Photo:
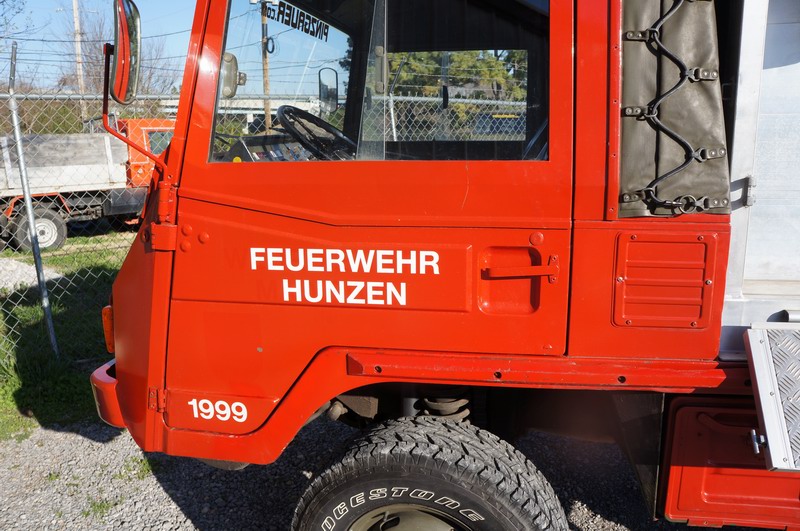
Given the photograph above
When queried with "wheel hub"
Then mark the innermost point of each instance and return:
(47, 232)
(404, 517)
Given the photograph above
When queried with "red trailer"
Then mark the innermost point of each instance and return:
(384, 258)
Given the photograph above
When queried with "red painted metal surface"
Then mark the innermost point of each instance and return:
(499, 232)
(337, 370)
(598, 322)
(142, 287)
(715, 479)
(591, 109)
(538, 372)
(56, 198)
(614, 100)
(489, 273)
(104, 387)
(664, 280)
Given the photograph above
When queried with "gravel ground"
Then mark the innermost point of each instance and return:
(92, 476)
(15, 275)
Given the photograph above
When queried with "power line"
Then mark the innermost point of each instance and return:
(72, 41)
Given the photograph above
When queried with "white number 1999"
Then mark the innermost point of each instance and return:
(205, 409)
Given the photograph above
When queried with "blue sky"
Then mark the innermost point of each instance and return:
(44, 48)
(295, 59)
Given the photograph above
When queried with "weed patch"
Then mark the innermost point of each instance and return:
(12, 424)
(98, 508)
(137, 468)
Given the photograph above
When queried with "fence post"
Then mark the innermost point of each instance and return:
(392, 117)
(26, 192)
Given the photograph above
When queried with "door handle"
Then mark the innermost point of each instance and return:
(550, 271)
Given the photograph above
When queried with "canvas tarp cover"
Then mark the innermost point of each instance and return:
(693, 112)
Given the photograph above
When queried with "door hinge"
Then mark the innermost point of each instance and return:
(163, 236)
(162, 232)
(157, 399)
(165, 211)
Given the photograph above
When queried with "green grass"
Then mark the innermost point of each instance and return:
(137, 468)
(81, 252)
(12, 424)
(99, 507)
(34, 386)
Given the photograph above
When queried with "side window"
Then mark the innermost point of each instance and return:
(458, 79)
(283, 83)
(158, 140)
(384, 80)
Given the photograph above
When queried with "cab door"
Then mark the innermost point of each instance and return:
(439, 223)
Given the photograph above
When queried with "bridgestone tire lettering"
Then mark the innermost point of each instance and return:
(456, 471)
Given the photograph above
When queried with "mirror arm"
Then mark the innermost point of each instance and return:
(108, 51)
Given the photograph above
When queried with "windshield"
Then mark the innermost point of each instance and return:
(384, 79)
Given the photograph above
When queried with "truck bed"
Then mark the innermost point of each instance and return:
(64, 163)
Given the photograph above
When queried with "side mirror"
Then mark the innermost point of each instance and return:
(231, 77)
(328, 90)
(127, 44)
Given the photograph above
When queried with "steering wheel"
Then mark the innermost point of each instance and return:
(322, 139)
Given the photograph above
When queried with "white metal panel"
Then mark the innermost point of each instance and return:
(773, 237)
(783, 11)
(764, 265)
(748, 87)
(66, 163)
(774, 355)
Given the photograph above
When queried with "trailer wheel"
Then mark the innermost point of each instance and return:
(433, 474)
(50, 226)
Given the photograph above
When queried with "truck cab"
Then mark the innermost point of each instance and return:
(457, 220)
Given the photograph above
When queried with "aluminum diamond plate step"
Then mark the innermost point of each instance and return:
(774, 354)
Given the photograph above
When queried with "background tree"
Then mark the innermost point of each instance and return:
(476, 74)
(10, 23)
(159, 74)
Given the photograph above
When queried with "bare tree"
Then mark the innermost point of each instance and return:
(158, 73)
(9, 13)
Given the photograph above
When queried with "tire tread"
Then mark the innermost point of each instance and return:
(466, 453)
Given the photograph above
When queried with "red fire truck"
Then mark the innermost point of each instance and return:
(598, 270)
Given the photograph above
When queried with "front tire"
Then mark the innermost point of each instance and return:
(50, 227)
(429, 473)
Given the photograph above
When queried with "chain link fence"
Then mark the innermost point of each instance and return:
(425, 119)
(88, 190)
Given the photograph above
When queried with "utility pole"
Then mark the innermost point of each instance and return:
(76, 19)
(264, 66)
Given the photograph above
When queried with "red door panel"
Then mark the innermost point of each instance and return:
(459, 256)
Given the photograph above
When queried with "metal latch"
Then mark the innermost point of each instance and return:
(636, 112)
(758, 442)
(704, 154)
(632, 197)
(638, 35)
(749, 190)
(550, 271)
(702, 74)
